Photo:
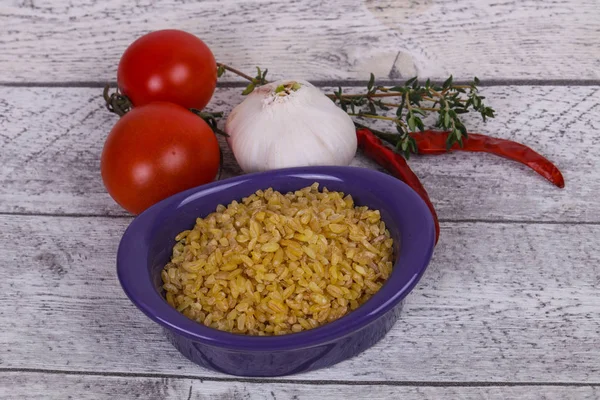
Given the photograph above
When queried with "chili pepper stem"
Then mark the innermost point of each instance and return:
(396, 165)
(391, 138)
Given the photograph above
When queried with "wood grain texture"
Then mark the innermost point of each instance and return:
(62, 41)
(51, 140)
(499, 303)
(509, 305)
(40, 386)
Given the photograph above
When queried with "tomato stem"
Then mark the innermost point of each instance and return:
(116, 102)
(211, 119)
(120, 104)
(235, 71)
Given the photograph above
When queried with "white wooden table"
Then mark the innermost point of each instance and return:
(510, 305)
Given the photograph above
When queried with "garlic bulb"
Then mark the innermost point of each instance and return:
(289, 124)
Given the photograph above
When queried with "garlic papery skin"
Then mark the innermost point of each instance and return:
(289, 123)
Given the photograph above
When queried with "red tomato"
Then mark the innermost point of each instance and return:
(155, 151)
(168, 65)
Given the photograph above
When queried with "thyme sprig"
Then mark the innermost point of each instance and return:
(415, 100)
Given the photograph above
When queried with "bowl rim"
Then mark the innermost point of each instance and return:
(132, 260)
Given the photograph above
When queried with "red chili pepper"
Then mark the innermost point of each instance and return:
(432, 142)
(396, 165)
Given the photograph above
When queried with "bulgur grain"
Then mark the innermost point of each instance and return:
(278, 263)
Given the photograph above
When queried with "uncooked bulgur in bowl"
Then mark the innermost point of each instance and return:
(274, 263)
(279, 272)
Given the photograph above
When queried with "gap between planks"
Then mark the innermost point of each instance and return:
(322, 83)
(306, 382)
(442, 220)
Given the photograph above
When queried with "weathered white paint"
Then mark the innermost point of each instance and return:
(499, 303)
(502, 302)
(41, 386)
(52, 139)
(62, 40)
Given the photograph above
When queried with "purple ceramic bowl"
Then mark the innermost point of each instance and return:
(147, 244)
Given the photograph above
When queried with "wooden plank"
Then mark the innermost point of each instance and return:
(41, 386)
(499, 303)
(344, 39)
(52, 139)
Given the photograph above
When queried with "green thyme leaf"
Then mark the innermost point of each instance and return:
(372, 109)
(410, 81)
(411, 123)
(447, 83)
(249, 89)
(419, 124)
